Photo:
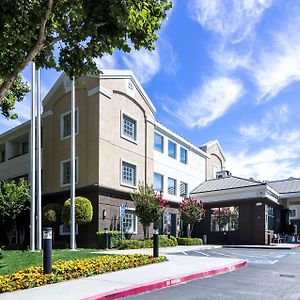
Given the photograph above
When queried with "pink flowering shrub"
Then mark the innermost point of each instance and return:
(192, 211)
(149, 206)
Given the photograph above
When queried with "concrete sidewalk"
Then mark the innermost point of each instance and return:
(176, 270)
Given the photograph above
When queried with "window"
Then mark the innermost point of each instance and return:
(271, 218)
(2, 156)
(128, 127)
(183, 189)
(128, 174)
(224, 218)
(64, 229)
(183, 155)
(172, 149)
(130, 222)
(65, 178)
(25, 147)
(158, 182)
(293, 213)
(171, 186)
(158, 142)
(66, 124)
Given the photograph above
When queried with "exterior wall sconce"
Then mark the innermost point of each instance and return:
(103, 214)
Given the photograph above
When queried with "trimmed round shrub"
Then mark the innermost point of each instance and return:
(52, 214)
(83, 211)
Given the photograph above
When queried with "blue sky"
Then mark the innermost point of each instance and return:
(226, 70)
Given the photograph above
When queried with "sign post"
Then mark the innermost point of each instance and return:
(122, 216)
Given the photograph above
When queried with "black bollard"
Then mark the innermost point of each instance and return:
(47, 247)
(155, 243)
(106, 239)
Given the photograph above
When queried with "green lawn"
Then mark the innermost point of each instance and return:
(12, 261)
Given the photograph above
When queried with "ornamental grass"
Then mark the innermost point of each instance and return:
(65, 270)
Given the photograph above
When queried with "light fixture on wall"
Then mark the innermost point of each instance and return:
(104, 214)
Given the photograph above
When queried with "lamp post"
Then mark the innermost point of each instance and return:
(155, 240)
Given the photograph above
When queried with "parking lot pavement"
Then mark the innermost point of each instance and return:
(252, 256)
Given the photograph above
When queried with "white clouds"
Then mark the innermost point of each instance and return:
(234, 19)
(106, 62)
(143, 63)
(278, 65)
(209, 102)
(276, 152)
(270, 126)
(273, 162)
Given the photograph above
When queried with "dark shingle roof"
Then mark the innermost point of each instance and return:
(291, 185)
(224, 184)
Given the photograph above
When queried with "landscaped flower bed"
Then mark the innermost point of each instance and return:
(65, 270)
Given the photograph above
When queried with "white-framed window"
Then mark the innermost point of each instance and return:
(183, 155)
(65, 172)
(64, 229)
(172, 149)
(129, 128)
(158, 142)
(293, 213)
(183, 189)
(130, 221)
(65, 124)
(158, 182)
(128, 174)
(171, 186)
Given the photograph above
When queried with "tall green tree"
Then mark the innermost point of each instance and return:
(14, 200)
(149, 206)
(68, 35)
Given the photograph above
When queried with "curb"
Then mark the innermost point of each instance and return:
(170, 281)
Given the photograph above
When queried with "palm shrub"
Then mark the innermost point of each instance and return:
(149, 206)
(191, 211)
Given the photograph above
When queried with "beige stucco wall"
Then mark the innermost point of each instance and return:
(113, 147)
(99, 144)
(215, 160)
(57, 150)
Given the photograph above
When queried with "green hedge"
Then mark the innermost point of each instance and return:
(189, 241)
(164, 241)
(115, 238)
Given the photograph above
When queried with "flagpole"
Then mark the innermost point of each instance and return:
(73, 166)
(39, 164)
(32, 160)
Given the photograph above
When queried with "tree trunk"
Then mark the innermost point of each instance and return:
(146, 231)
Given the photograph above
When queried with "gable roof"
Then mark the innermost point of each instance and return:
(211, 144)
(290, 185)
(123, 74)
(231, 182)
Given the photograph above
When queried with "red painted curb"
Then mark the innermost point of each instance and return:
(297, 246)
(150, 286)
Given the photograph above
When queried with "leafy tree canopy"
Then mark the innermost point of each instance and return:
(68, 35)
(149, 206)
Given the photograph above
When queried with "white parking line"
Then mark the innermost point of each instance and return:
(222, 254)
(255, 256)
(202, 253)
